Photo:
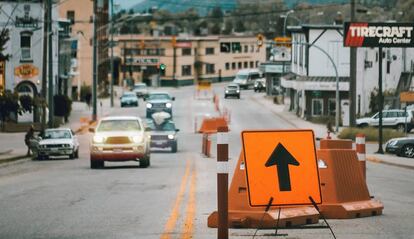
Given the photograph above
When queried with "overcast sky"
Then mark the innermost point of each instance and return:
(125, 4)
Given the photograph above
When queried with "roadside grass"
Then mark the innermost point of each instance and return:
(371, 134)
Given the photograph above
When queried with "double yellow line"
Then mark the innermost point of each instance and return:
(188, 227)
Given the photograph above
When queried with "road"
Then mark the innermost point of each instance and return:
(173, 197)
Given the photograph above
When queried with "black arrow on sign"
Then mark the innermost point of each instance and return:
(282, 158)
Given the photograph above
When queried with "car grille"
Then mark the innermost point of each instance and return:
(158, 105)
(118, 140)
(54, 145)
(159, 137)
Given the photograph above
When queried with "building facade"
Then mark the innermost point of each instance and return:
(81, 17)
(311, 84)
(187, 60)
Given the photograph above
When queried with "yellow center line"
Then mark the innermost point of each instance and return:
(188, 229)
(170, 225)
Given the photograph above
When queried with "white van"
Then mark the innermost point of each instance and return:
(246, 78)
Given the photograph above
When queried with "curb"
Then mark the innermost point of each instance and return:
(4, 162)
(6, 152)
(374, 159)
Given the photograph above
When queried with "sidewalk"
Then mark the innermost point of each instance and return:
(320, 130)
(12, 145)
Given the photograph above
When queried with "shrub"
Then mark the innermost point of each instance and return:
(371, 134)
(9, 104)
(26, 102)
(85, 93)
(62, 106)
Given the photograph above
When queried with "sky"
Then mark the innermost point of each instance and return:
(125, 4)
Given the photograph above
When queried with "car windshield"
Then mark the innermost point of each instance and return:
(118, 125)
(168, 126)
(241, 76)
(232, 87)
(138, 87)
(129, 96)
(57, 134)
(159, 97)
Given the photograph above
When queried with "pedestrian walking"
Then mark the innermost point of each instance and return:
(29, 135)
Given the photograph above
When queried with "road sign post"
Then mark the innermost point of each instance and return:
(222, 182)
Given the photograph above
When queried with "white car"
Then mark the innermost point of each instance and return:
(246, 78)
(120, 138)
(394, 118)
(56, 142)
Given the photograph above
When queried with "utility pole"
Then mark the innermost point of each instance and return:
(352, 76)
(44, 67)
(50, 63)
(95, 65)
(112, 52)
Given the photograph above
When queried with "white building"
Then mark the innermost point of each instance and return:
(396, 67)
(312, 82)
(22, 72)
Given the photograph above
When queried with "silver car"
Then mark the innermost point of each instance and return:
(56, 142)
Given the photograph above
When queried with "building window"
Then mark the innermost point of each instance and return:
(227, 66)
(186, 70)
(246, 48)
(301, 55)
(25, 45)
(251, 64)
(233, 65)
(317, 107)
(186, 51)
(257, 64)
(236, 47)
(251, 48)
(209, 51)
(225, 47)
(331, 106)
(239, 65)
(70, 15)
(161, 52)
(210, 69)
(246, 64)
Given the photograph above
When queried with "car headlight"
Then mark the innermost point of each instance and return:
(98, 139)
(168, 105)
(392, 142)
(136, 139)
(237, 91)
(170, 136)
(227, 91)
(149, 105)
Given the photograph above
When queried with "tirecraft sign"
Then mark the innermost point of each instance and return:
(359, 34)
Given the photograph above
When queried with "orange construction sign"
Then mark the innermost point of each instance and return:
(281, 165)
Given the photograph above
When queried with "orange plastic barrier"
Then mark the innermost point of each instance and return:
(360, 149)
(335, 144)
(206, 145)
(210, 125)
(241, 215)
(344, 190)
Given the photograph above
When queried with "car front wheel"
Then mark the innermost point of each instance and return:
(400, 127)
(408, 151)
(144, 162)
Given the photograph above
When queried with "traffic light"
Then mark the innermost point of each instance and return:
(163, 66)
(259, 40)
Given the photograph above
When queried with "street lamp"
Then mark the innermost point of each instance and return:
(284, 23)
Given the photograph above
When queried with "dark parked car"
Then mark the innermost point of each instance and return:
(401, 147)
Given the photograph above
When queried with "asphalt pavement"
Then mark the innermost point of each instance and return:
(173, 198)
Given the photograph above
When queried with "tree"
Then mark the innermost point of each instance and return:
(9, 104)
(26, 103)
(62, 106)
(4, 38)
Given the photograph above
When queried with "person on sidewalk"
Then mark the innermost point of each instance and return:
(29, 135)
